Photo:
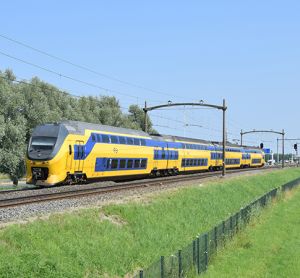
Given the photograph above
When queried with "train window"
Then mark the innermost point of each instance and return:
(93, 137)
(129, 163)
(129, 141)
(143, 141)
(163, 154)
(136, 141)
(105, 138)
(176, 155)
(98, 137)
(114, 139)
(108, 163)
(79, 152)
(114, 164)
(182, 162)
(122, 163)
(82, 151)
(144, 163)
(122, 140)
(199, 162)
(136, 163)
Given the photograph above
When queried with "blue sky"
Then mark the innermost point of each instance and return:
(247, 52)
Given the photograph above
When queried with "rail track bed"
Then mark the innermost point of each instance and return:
(8, 198)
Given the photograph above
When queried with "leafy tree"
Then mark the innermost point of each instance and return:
(26, 105)
(137, 115)
(13, 131)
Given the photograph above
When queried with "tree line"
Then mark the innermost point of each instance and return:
(24, 105)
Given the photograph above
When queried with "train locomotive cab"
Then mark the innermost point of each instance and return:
(42, 154)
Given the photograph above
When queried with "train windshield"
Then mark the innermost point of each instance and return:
(43, 143)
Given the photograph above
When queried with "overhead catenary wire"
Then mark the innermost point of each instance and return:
(65, 76)
(85, 68)
(42, 88)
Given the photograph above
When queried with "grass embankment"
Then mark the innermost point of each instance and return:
(269, 247)
(82, 244)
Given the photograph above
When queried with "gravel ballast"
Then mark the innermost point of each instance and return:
(25, 212)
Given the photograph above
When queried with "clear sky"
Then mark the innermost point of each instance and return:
(247, 52)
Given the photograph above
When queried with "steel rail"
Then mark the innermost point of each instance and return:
(30, 199)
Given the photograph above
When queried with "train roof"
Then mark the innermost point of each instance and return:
(75, 127)
(185, 139)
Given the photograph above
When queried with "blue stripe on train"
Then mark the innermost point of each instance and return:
(82, 151)
(104, 164)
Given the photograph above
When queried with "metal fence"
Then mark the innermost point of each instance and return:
(195, 257)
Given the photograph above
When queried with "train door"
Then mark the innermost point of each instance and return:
(69, 160)
(167, 153)
(183, 158)
(156, 158)
(79, 156)
(217, 156)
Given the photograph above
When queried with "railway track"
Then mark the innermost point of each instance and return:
(44, 197)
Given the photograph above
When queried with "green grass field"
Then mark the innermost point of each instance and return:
(270, 247)
(130, 236)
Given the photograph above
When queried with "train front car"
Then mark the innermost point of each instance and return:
(72, 152)
(45, 159)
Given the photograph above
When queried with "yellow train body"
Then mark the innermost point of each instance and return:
(71, 152)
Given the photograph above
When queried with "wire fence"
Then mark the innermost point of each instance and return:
(195, 257)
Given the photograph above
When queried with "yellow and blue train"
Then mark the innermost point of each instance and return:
(71, 152)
